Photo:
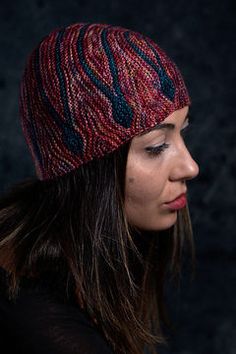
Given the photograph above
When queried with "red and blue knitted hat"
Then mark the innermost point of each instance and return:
(89, 88)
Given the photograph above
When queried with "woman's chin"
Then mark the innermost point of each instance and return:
(161, 223)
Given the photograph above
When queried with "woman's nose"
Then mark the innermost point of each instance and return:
(185, 167)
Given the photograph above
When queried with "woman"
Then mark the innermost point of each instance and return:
(86, 246)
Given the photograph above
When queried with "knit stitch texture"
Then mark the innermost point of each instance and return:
(89, 88)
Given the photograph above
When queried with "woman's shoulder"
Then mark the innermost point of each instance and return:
(37, 321)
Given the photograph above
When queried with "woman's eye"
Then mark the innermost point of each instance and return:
(156, 150)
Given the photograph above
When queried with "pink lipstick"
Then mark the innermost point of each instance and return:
(178, 203)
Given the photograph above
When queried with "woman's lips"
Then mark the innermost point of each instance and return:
(178, 203)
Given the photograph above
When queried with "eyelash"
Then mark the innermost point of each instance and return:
(157, 150)
(185, 130)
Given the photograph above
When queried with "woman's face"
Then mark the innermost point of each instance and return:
(158, 166)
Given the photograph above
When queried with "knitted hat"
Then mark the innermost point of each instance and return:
(89, 88)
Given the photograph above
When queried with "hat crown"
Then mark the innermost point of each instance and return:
(89, 88)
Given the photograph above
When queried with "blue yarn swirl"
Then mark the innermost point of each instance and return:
(122, 112)
(167, 86)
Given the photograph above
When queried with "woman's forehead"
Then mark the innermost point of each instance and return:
(176, 118)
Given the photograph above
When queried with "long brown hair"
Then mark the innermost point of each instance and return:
(76, 225)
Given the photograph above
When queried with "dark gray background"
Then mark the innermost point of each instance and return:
(200, 37)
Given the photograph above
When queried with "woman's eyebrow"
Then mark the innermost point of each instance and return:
(170, 126)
